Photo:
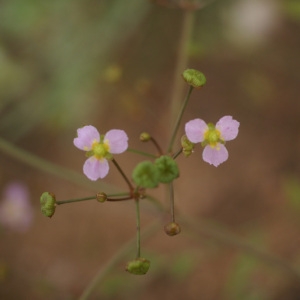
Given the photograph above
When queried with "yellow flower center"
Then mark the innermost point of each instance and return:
(100, 150)
(212, 136)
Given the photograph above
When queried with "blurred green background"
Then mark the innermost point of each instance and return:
(65, 64)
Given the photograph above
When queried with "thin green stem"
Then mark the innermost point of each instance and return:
(184, 104)
(118, 194)
(177, 153)
(141, 153)
(171, 191)
(123, 175)
(153, 140)
(181, 64)
(75, 200)
(119, 199)
(126, 197)
(138, 228)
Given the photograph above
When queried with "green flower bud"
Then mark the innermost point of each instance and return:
(48, 204)
(139, 266)
(187, 146)
(145, 137)
(194, 78)
(167, 169)
(101, 197)
(145, 175)
(172, 229)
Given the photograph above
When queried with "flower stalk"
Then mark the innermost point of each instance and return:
(177, 123)
(138, 228)
(131, 188)
(153, 140)
(172, 206)
(75, 200)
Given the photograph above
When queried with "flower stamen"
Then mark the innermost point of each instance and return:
(100, 150)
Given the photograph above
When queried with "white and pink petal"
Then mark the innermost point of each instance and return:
(94, 168)
(215, 156)
(117, 140)
(228, 127)
(87, 135)
(195, 130)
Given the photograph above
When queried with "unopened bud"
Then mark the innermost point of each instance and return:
(194, 78)
(187, 146)
(139, 266)
(48, 204)
(101, 197)
(145, 137)
(172, 229)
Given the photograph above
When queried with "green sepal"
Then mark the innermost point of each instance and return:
(204, 143)
(167, 169)
(146, 175)
(139, 266)
(48, 204)
(109, 156)
(211, 126)
(194, 78)
(89, 153)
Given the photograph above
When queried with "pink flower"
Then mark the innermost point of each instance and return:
(99, 149)
(213, 137)
(16, 212)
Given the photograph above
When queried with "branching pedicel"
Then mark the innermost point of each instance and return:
(100, 150)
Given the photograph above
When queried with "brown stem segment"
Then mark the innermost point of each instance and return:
(157, 146)
(123, 175)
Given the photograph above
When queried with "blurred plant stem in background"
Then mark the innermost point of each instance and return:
(221, 234)
(215, 231)
(51, 168)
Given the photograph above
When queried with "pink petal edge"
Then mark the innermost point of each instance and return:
(95, 169)
(87, 135)
(215, 156)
